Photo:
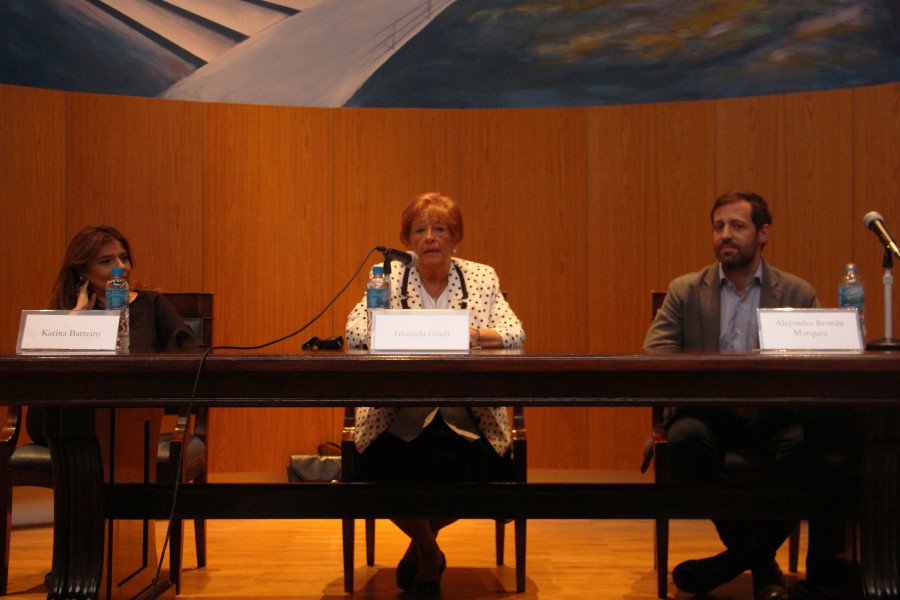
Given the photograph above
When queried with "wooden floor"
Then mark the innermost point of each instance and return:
(279, 559)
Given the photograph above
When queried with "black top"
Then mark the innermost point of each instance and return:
(156, 325)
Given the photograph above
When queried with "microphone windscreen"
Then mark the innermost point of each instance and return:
(413, 259)
(871, 217)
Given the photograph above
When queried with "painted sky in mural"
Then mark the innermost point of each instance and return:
(448, 53)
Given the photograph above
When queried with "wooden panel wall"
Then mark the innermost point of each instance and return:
(797, 151)
(32, 201)
(382, 159)
(524, 194)
(876, 186)
(650, 175)
(137, 164)
(268, 218)
(581, 211)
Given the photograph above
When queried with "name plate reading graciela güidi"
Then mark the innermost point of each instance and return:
(831, 330)
(420, 330)
(64, 331)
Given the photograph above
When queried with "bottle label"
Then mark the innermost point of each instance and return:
(378, 298)
(116, 299)
(852, 296)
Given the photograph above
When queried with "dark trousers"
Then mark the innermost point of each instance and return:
(713, 444)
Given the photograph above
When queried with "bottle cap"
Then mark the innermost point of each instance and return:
(378, 270)
(117, 271)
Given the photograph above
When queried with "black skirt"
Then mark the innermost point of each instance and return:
(438, 454)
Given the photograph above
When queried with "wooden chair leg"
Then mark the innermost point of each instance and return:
(5, 524)
(176, 550)
(500, 537)
(520, 532)
(662, 557)
(794, 549)
(200, 541)
(370, 542)
(348, 533)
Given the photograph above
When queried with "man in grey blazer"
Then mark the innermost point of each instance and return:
(715, 310)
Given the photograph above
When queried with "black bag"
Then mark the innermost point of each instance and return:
(324, 466)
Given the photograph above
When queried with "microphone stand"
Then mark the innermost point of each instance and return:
(888, 342)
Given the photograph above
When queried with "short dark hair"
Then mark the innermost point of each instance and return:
(759, 209)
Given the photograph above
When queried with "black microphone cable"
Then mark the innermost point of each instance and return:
(190, 407)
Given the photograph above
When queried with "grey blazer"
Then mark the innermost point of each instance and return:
(689, 316)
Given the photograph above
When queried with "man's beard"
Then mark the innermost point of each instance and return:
(738, 260)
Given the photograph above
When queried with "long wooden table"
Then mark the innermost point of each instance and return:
(79, 385)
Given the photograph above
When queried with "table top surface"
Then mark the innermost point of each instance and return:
(481, 377)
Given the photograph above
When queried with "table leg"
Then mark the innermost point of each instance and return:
(78, 505)
(879, 507)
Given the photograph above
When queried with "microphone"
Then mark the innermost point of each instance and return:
(407, 258)
(875, 222)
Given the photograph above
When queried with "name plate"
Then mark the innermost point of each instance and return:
(419, 330)
(809, 330)
(55, 331)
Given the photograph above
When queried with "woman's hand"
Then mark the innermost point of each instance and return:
(85, 302)
(484, 337)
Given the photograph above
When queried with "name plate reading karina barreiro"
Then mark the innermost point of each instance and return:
(831, 330)
(420, 330)
(56, 331)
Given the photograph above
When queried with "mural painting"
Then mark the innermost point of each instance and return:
(448, 53)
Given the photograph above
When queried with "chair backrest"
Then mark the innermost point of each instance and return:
(196, 308)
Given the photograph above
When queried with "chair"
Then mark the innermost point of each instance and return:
(656, 451)
(520, 475)
(29, 465)
(197, 311)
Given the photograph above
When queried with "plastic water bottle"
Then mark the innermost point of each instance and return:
(117, 300)
(852, 292)
(378, 295)
(378, 291)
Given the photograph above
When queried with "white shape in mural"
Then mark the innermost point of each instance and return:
(319, 57)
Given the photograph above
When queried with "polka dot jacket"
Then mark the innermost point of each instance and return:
(487, 308)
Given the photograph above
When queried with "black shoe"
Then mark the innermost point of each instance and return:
(406, 575)
(427, 589)
(706, 574)
(768, 582)
(430, 589)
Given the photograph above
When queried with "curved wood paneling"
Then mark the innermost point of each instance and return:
(268, 256)
(650, 173)
(137, 164)
(32, 201)
(876, 186)
(797, 152)
(383, 159)
(581, 211)
(523, 193)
